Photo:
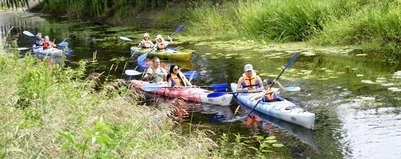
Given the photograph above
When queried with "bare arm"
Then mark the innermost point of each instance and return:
(239, 85)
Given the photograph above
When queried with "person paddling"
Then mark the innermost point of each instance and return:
(146, 43)
(270, 94)
(155, 72)
(38, 40)
(176, 78)
(249, 81)
(161, 44)
(47, 43)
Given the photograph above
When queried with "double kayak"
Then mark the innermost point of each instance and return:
(51, 51)
(170, 54)
(195, 94)
(283, 109)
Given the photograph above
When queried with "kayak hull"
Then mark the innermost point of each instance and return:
(196, 94)
(168, 54)
(284, 109)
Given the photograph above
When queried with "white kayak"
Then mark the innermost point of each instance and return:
(50, 51)
(283, 109)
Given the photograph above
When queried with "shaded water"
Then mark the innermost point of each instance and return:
(355, 97)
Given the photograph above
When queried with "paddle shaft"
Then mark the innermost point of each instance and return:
(289, 63)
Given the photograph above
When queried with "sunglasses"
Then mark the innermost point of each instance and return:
(175, 69)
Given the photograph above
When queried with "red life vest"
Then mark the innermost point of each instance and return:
(46, 44)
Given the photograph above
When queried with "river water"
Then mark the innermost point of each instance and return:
(356, 96)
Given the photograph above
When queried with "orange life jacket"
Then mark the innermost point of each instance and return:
(160, 46)
(146, 44)
(177, 81)
(250, 81)
(271, 97)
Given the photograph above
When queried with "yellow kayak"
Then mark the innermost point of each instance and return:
(170, 54)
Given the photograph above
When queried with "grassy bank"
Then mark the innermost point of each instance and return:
(48, 111)
(373, 24)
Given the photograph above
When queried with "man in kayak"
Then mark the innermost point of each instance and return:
(38, 40)
(161, 44)
(270, 94)
(176, 78)
(249, 81)
(146, 43)
(155, 73)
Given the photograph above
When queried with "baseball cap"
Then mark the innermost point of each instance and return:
(267, 81)
(248, 67)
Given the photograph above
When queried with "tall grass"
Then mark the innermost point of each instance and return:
(48, 111)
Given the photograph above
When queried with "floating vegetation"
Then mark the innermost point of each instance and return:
(394, 89)
(359, 75)
(308, 53)
(361, 54)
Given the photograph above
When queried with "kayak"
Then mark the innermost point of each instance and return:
(170, 54)
(51, 51)
(197, 95)
(284, 109)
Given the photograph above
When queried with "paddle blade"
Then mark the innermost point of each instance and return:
(292, 89)
(216, 94)
(190, 74)
(150, 87)
(132, 73)
(125, 38)
(142, 57)
(27, 33)
(22, 48)
(69, 51)
(63, 44)
(220, 87)
(179, 29)
(292, 60)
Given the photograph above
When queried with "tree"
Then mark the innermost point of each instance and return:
(14, 3)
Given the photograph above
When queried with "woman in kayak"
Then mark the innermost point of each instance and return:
(146, 43)
(176, 78)
(161, 44)
(249, 81)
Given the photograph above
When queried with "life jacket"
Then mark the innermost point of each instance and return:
(271, 97)
(38, 42)
(177, 81)
(250, 81)
(46, 44)
(146, 44)
(160, 46)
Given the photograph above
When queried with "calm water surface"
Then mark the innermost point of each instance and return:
(355, 97)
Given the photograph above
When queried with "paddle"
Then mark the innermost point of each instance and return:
(143, 57)
(132, 72)
(286, 66)
(191, 74)
(27, 33)
(153, 87)
(218, 94)
(125, 38)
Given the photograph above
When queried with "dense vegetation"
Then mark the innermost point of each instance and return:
(372, 24)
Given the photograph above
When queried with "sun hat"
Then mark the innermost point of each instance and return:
(159, 37)
(267, 81)
(146, 35)
(248, 67)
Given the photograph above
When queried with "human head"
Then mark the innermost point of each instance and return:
(39, 35)
(159, 37)
(248, 67)
(267, 82)
(156, 62)
(46, 38)
(174, 68)
(146, 35)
